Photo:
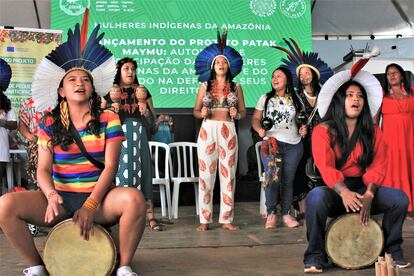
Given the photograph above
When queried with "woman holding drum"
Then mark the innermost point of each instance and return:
(349, 152)
(72, 183)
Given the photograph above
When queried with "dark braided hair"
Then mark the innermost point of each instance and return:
(59, 134)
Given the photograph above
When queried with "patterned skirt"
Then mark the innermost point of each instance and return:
(132, 170)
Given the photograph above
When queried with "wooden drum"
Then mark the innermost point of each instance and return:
(352, 245)
(67, 253)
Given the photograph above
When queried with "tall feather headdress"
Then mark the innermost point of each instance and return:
(205, 59)
(297, 59)
(5, 75)
(370, 83)
(78, 52)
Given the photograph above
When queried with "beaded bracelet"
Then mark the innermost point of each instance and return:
(90, 204)
(51, 194)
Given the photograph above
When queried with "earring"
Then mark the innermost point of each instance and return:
(64, 113)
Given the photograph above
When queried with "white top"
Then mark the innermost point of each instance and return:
(283, 115)
(4, 135)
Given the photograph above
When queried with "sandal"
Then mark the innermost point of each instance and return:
(154, 225)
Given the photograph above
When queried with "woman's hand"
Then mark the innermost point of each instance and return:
(262, 132)
(351, 200)
(84, 218)
(142, 107)
(233, 112)
(303, 130)
(52, 209)
(115, 107)
(366, 207)
(204, 112)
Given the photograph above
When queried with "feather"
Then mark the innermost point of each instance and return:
(297, 49)
(84, 31)
(287, 52)
(292, 50)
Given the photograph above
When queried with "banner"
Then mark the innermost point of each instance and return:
(165, 36)
(23, 49)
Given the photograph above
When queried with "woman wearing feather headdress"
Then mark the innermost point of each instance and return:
(7, 117)
(219, 102)
(350, 153)
(73, 184)
(309, 72)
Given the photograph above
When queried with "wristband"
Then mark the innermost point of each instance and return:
(90, 204)
(51, 194)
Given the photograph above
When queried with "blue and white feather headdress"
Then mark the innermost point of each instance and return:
(205, 59)
(298, 59)
(78, 52)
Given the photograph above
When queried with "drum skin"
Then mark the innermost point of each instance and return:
(352, 245)
(67, 253)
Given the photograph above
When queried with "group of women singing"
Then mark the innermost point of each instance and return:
(333, 123)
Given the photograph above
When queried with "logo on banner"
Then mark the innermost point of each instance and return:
(74, 7)
(263, 8)
(293, 8)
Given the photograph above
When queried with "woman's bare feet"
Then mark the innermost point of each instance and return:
(202, 227)
(230, 227)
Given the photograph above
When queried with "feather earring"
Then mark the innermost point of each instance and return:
(64, 113)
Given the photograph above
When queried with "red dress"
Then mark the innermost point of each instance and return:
(398, 130)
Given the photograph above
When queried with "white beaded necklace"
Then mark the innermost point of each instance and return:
(309, 96)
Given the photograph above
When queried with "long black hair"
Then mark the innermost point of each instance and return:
(314, 83)
(119, 64)
(335, 118)
(60, 136)
(404, 80)
(290, 90)
(5, 103)
(229, 77)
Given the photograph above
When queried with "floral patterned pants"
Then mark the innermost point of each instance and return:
(217, 147)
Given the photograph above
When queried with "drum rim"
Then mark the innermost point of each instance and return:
(70, 220)
(342, 217)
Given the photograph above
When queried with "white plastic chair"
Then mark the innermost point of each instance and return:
(164, 182)
(183, 170)
(262, 209)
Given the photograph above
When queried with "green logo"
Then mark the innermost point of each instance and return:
(263, 8)
(293, 8)
(74, 7)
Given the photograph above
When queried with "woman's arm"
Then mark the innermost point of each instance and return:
(24, 130)
(151, 108)
(257, 116)
(200, 111)
(112, 151)
(45, 182)
(242, 108)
